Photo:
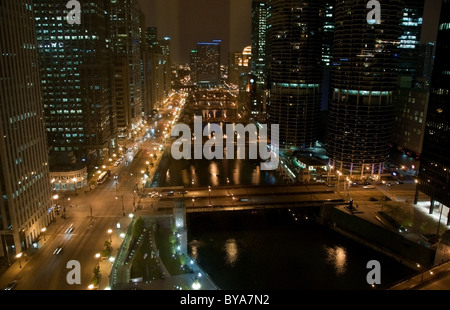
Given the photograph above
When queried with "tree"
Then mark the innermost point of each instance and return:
(96, 271)
(107, 244)
(172, 239)
(183, 259)
(138, 227)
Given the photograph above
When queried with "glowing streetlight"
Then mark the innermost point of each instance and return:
(43, 232)
(209, 189)
(110, 235)
(196, 285)
(18, 256)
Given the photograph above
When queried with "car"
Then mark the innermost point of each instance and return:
(69, 229)
(11, 285)
(368, 186)
(171, 193)
(57, 250)
(373, 199)
(116, 177)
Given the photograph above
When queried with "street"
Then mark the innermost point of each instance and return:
(92, 211)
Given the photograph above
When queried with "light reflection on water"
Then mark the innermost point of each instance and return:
(232, 251)
(270, 251)
(337, 257)
(217, 173)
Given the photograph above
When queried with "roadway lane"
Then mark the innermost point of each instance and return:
(47, 271)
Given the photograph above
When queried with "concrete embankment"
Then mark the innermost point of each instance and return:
(355, 225)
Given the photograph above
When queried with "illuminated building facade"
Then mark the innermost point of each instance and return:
(126, 38)
(260, 11)
(206, 63)
(76, 75)
(25, 206)
(434, 171)
(295, 73)
(364, 78)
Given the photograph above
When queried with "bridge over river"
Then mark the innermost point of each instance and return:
(229, 198)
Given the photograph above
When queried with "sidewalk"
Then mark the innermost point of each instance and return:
(426, 280)
(168, 282)
(106, 264)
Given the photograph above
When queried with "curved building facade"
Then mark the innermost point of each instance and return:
(364, 77)
(296, 33)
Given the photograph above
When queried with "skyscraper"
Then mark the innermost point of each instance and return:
(258, 64)
(410, 102)
(207, 66)
(77, 84)
(295, 73)
(126, 38)
(408, 48)
(434, 171)
(159, 63)
(364, 77)
(327, 51)
(24, 173)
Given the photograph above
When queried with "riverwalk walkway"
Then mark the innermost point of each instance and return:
(120, 270)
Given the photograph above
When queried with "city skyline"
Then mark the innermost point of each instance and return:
(186, 31)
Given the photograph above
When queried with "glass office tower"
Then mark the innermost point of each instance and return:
(434, 171)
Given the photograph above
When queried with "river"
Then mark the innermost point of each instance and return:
(269, 249)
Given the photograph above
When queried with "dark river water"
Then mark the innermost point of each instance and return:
(269, 249)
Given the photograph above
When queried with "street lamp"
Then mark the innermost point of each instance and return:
(209, 189)
(196, 285)
(339, 178)
(43, 232)
(110, 236)
(123, 207)
(330, 167)
(97, 256)
(19, 256)
(349, 182)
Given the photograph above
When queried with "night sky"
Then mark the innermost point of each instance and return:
(190, 21)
